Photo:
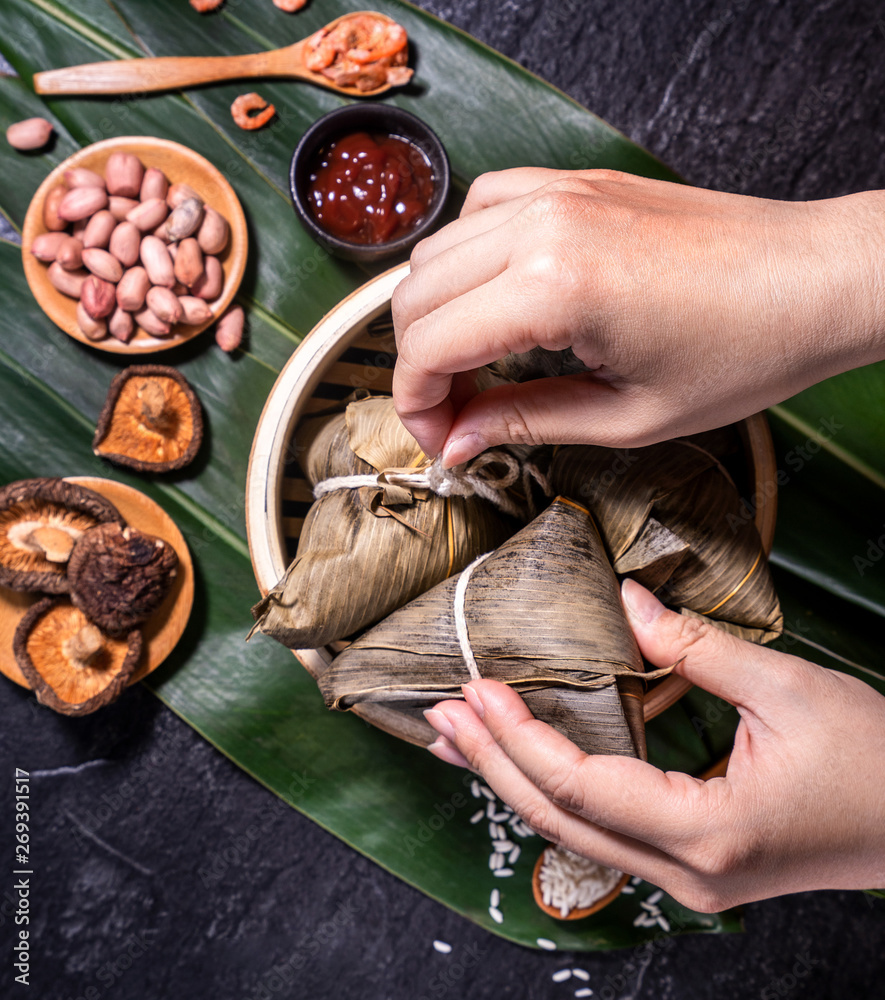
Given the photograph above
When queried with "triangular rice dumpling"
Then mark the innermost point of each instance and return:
(672, 518)
(366, 550)
(541, 613)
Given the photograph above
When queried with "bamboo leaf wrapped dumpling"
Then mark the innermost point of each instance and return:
(367, 549)
(672, 518)
(542, 613)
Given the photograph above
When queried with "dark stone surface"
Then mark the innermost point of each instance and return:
(200, 884)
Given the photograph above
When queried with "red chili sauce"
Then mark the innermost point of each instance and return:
(370, 188)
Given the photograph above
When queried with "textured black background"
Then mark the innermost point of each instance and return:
(780, 99)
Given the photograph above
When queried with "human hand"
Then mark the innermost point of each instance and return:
(802, 805)
(694, 308)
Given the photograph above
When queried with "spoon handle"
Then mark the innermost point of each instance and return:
(131, 76)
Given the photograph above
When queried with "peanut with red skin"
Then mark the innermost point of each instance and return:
(188, 261)
(51, 219)
(147, 215)
(32, 133)
(229, 331)
(177, 194)
(81, 202)
(90, 327)
(214, 232)
(83, 177)
(124, 174)
(157, 261)
(163, 303)
(194, 310)
(125, 243)
(121, 207)
(132, 288)
(151, 323)
(99, 298)
(103, 264)
(98, 230)
(154, 185)
(209, 285)
(70, 254)
(67, 282)
(185, 220)
(45, 246)
(121, 325)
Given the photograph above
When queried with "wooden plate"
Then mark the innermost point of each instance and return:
(164, 628)
(353, 347)
(179, 164)
(579, 913)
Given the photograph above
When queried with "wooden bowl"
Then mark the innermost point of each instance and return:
(179, 164)
(164, 628)
(353, 347)
(579, 913)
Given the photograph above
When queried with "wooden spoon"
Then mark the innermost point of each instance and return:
(137, 76)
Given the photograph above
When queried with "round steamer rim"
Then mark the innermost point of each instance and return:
(284, 407)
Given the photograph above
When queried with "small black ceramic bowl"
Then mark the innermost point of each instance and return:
(375, 119)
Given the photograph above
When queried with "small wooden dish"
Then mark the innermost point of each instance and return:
(577, 913)
(353, 347)
(179, 164)
(164, 628)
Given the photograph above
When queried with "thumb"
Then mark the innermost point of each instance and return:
(568, 409)
(733, 669)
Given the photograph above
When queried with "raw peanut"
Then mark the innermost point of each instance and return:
(185, 220)
(148, 215)
(177, 194)
(132, 288)
(32, 133)
(98, 230)
(78, 230)
(81, 202)
(208, 285)
(67, 282)
(188, 261)
(125, 243)
(154, 184)
(214, 232)
(94, 329)
(103, 264)
(229, 330)
(173, 250)
(121, 207)
(163, 304)
(70, 254)
(121, 325)
(78, 177)
(157, 261)
(45, 246)
(124, 174)
(51, 219)
(160, 232)
(151, 323)
(99, 298)
(193, 310)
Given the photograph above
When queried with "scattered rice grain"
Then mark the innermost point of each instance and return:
(546, 944)
(496, 915)
(443, 947)
(655, 896)
(503, 872)
(496, 861)
(561, 976)
(581, 974)
(489, 794)
(495, 898)
(474, 788)
(664, 922)
(513, 857)
(584, 992)
(477, 816)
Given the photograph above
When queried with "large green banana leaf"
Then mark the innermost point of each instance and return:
(389, 800)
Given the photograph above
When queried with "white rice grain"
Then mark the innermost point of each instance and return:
(503, 872)
(477, 816)
(489, 794)
(584, 992)
(495, 898)
(582, 974)
(496, 915)
(443, 947)
(561, 976)
(546, 944)
(513, 857)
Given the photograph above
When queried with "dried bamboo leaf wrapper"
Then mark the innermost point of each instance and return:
(621, 487)
(366, 551)
(725, 574)
(542, 611)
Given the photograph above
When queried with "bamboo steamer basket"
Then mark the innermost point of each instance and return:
(353, 347)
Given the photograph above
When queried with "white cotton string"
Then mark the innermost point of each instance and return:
(461, 621)
(464, 481)
(343, 483)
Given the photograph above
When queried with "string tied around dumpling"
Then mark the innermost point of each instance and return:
(461, 619)
(489, 475)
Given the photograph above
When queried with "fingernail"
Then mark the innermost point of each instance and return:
(440, 723)
(472, 699)
(641, 604)
(444, 750)
(462, 448)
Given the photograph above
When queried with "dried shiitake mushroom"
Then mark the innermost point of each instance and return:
(72, 667)
(120, 576)
(151, 420)
(40, 520)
